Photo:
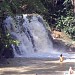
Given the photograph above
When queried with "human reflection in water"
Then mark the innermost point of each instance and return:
(61, 58)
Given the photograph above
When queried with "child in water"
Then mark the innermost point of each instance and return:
(61, 58)
(71, 71)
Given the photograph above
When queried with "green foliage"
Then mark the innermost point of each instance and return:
(23, 6)
(66, 22)
(58, 14)
(10, 40)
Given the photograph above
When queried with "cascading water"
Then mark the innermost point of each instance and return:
(31, 32)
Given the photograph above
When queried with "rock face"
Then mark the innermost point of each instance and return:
(72, 47)
(61, 41)
(8, 53)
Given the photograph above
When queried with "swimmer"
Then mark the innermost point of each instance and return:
(61, 58)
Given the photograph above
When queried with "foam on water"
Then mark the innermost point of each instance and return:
(31, 32)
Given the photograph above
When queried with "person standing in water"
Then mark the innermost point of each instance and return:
(61, 58)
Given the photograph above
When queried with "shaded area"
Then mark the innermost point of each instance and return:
(60, 45)
(34, 66)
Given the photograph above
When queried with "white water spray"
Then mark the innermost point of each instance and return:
(30, 31)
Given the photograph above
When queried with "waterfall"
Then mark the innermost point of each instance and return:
(31, 32)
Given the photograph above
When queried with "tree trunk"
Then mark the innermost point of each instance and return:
(73, 3)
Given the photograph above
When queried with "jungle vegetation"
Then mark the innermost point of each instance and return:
(59, 14)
